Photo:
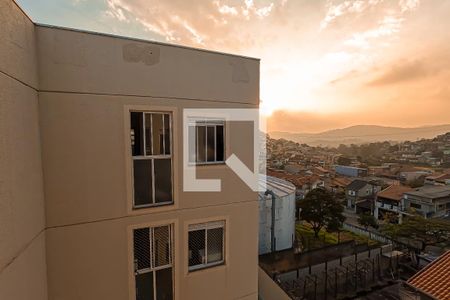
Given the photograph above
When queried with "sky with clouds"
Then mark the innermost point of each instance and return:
(324, 63)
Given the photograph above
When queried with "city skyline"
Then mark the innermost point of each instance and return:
(324, 64)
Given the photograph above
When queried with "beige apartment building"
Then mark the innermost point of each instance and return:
(91, 188)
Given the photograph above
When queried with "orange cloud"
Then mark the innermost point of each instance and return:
(335, 62)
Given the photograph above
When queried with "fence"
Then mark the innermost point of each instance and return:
(343, 278)
(413, 245)
(370, 234)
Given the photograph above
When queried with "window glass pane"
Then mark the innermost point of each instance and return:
(210, 143)
(144, 286)
(163, 180)
(148, 135)
(219, 143)
(157, 126)
(201, 143)
(161, 246)
(166, 134)
(142, 171)
(164, 290)
(197, 247)
(136, 133)
(215, 245)
(192, 141)
(141, 243)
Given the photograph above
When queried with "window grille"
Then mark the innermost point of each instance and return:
(206, 245)
(151, 147)
(206, 141)
(153, 262)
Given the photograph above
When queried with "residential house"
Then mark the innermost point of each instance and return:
(428, 201)
(303, 183)
(321, 171)
(388, 203)
(360, 195)
(293, 168)
(307, 184)
(338, 184)
(438, 179)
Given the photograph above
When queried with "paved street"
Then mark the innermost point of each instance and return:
(352, 217)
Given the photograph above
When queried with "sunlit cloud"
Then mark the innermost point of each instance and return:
(387, 27)
(211, 24)
(323, 57)
(225, 9)
(409, 5)
(335, 11)
(115, 10)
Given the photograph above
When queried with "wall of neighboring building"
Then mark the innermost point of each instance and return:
(426, 207)
(367, 190)
(351, 171)
(268, 289)
(22, 221)
(284, 216)
(88, 84)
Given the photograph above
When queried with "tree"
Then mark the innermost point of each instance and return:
(321, 210)
(367, 220)
(344, 161)
(427, 231)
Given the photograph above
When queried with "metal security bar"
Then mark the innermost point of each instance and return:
(151, 143)
(153, 262)
(206, 245)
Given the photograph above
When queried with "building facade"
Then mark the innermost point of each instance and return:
(276, 216)
(91, 177)
(428, 201)
(388, 204)
(360, 195)
(351, 171)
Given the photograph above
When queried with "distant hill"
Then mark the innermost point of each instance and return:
(361, 134)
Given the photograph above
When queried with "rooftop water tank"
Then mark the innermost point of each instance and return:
(284, 230)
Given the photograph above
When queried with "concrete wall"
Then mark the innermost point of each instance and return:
(91, 260)
(284, 223)
(268, 289)
(88, 83)
(78, 62)
(22, 220)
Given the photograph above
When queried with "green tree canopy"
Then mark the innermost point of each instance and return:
(367, 220)
(344, 161)
(428, 231)
(321, 210)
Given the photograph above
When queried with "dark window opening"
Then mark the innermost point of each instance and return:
(151, 139)
(206, 142)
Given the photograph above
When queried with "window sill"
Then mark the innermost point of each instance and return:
(144, 210)
(200, 268)
(218, 163)
(144, 206)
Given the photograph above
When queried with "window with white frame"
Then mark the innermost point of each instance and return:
(206, 141)
(153, 262)
(206, 245)
(151, 147)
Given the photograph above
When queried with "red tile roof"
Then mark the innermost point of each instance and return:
(394, 192)
(341, 181)
(297, 180)
(439, 177)
(434, 279)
